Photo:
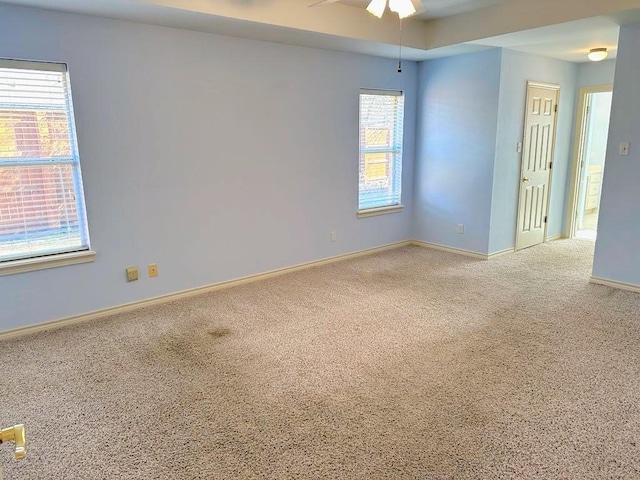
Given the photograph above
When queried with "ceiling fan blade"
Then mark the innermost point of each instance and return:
(322, 2)
(419, 6)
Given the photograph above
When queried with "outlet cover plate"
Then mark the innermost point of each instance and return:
(132, 274)
(153, 270)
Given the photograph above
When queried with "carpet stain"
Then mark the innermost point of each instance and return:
(168, 349)
(219, 332)
(173, 348)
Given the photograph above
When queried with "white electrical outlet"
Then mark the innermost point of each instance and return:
(333, 236)
(519, 147)
(460, 228)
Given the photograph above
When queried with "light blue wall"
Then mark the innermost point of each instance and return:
(591, 74)
(617, 255)
(598, 128)
(517, 69)
(458, 108)
(213, 156)
(471, 118)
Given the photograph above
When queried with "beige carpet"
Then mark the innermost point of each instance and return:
(412, 363)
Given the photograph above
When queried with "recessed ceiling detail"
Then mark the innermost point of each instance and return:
(446, 27)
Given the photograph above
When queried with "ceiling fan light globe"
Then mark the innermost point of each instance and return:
(376, 7)
(404, 8)
(597, 54)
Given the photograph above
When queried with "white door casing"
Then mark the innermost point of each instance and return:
(540, 122)
(580, 134)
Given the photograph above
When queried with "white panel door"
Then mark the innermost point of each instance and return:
(537, 158)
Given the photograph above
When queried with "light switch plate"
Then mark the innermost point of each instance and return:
(624, 148)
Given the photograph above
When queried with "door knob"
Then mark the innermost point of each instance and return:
(525, 179)
(16, 435)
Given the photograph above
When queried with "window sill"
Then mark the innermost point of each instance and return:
(41, 263)
(372, 212)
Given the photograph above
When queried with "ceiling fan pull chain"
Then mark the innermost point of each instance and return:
(400, 51)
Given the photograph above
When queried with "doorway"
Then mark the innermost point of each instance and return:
(594, 111)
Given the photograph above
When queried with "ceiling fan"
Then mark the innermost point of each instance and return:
(404, 8)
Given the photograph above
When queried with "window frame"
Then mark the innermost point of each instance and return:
(67, 256)
(395, 151)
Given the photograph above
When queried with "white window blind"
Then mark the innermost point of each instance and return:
(42, 208)
(381, 122)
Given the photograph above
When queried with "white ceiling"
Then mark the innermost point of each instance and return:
(445, 8)
(569, 41)
(564, 30)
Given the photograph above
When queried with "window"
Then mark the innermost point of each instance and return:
(381, 117)
(42, 212)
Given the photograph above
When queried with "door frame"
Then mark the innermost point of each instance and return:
(550, 86)
(579, 139)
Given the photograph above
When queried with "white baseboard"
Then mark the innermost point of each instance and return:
(458, 251)
(501, 253)
(619, 285)
(128, 307)
(471, 253)
(466, 253)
